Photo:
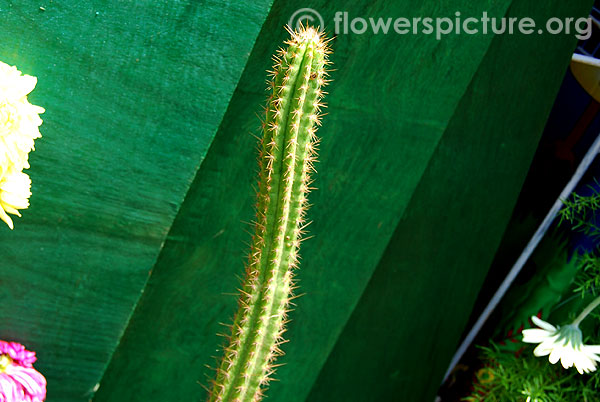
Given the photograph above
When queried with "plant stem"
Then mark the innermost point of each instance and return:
(586, 311)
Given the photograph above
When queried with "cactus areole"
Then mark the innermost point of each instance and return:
(287, 154)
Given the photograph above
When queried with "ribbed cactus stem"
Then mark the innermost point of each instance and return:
(287, 153)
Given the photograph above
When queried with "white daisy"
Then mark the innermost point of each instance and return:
(564, 344)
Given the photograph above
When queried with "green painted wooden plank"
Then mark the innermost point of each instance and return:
(390, 102)
(400, 338)
(134, 93)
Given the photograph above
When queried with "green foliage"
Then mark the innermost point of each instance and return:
(580, 210)
(287, 152)
(587, 279)
(509, 377)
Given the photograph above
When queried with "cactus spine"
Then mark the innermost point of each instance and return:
(287, 153)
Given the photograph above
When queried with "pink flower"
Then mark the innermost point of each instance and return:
(19, 381)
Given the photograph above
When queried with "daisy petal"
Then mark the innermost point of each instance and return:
(542, 350)
(535, 335)
(555, 355)
(543, 324)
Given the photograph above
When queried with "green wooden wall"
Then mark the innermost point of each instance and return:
(125, 264)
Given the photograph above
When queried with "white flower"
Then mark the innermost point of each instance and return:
(19, 127)
(564, 344)
(14, 194)
(19, 119)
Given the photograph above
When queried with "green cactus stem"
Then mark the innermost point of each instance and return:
(287, 153)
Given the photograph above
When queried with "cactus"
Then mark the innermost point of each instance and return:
(287, 153)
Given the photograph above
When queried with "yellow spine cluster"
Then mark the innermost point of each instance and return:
(19, 127)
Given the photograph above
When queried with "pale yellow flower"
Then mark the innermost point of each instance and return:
(564, 344)
(15, 190)
(19, 119)
(19, 127)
